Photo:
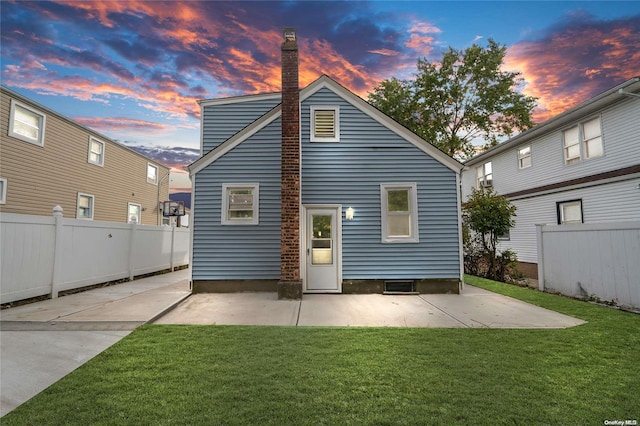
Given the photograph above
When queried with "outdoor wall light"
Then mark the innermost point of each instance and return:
(349, 214)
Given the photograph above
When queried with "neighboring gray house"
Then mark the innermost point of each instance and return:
(320, 193)
(582, 166)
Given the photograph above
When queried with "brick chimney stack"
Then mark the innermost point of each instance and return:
(290, 284)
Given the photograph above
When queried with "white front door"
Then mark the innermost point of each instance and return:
(323, 250)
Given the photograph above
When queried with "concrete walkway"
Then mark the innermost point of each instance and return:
(44, 341)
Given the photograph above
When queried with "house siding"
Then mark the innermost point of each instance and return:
(41, 177)
(223, 120)
(350, 172)
(620, 129)
(239, 252)
(612, 202)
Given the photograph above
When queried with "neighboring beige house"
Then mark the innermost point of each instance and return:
(47, 159)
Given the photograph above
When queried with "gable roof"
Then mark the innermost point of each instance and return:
(322, 82)
(631, 86)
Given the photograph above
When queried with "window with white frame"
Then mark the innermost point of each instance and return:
(484, 175)
(325, 123)
(152, 174)
(85, 206)
(3, 191)
(583, 141)
(134, 213)
(569, 212)
(571, 141)
(524, 157)
(399, 212)
(96, 151)
(592, 138)
(26, 123)
(240, 203)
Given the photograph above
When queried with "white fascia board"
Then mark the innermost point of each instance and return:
(239, 99)
(359, 103)
(234, 141)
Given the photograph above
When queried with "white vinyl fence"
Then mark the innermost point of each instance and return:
(592, 261)
(42, 255)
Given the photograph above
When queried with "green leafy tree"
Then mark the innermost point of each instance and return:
(488, 215)
(463, 97)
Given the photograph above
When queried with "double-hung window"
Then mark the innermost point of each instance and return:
(484, 175)
(325, 123)
(3, 191)
(399, 212)
(569, 212)
(26, 123)
(583, 141)
(152, 174)
(524, 157)
(592, 138)
(85, 206)
(240, 203)
(134, 213)
(96, 151)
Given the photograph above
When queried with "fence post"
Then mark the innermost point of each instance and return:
(56, 278)
(540, 246)
(173, 248)
(132, 238)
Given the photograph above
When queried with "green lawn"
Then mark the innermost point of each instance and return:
(208, 375)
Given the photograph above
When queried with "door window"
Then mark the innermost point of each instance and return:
(321, 241)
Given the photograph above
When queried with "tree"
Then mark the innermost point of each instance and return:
(464, 97)
(488, 215)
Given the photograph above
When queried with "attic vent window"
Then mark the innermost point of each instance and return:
(325, 124)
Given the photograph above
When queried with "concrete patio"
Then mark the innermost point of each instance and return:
(44, 341)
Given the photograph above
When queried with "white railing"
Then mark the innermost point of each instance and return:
(42, 255)
(599, 261)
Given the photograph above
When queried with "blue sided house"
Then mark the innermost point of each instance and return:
(313, 190)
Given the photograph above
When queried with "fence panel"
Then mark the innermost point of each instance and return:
(26, 255)
(591, 260)
(36, 260)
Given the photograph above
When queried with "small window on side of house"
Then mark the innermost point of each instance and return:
(26, 123)
(571, 143)
(569, 212)
(592, 138)
(484, 175)
(134, 213)
(3, 191)
(240, 204)
(399, 212)
(524, 157)
(325, 123)
(85, 206)
(96, 151)
(152, 174)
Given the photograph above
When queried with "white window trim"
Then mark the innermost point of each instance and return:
(582, 143)
(140, 209)
(413, 210)
(91, 141)
(3, 191)
(487, 182)
(522, 157)
(255, 220)
(43, 120)
(336, 123)
(155, 182)
(93, 205)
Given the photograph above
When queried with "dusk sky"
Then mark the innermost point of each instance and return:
(134, 70)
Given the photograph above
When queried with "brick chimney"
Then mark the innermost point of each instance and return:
(290, 284)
